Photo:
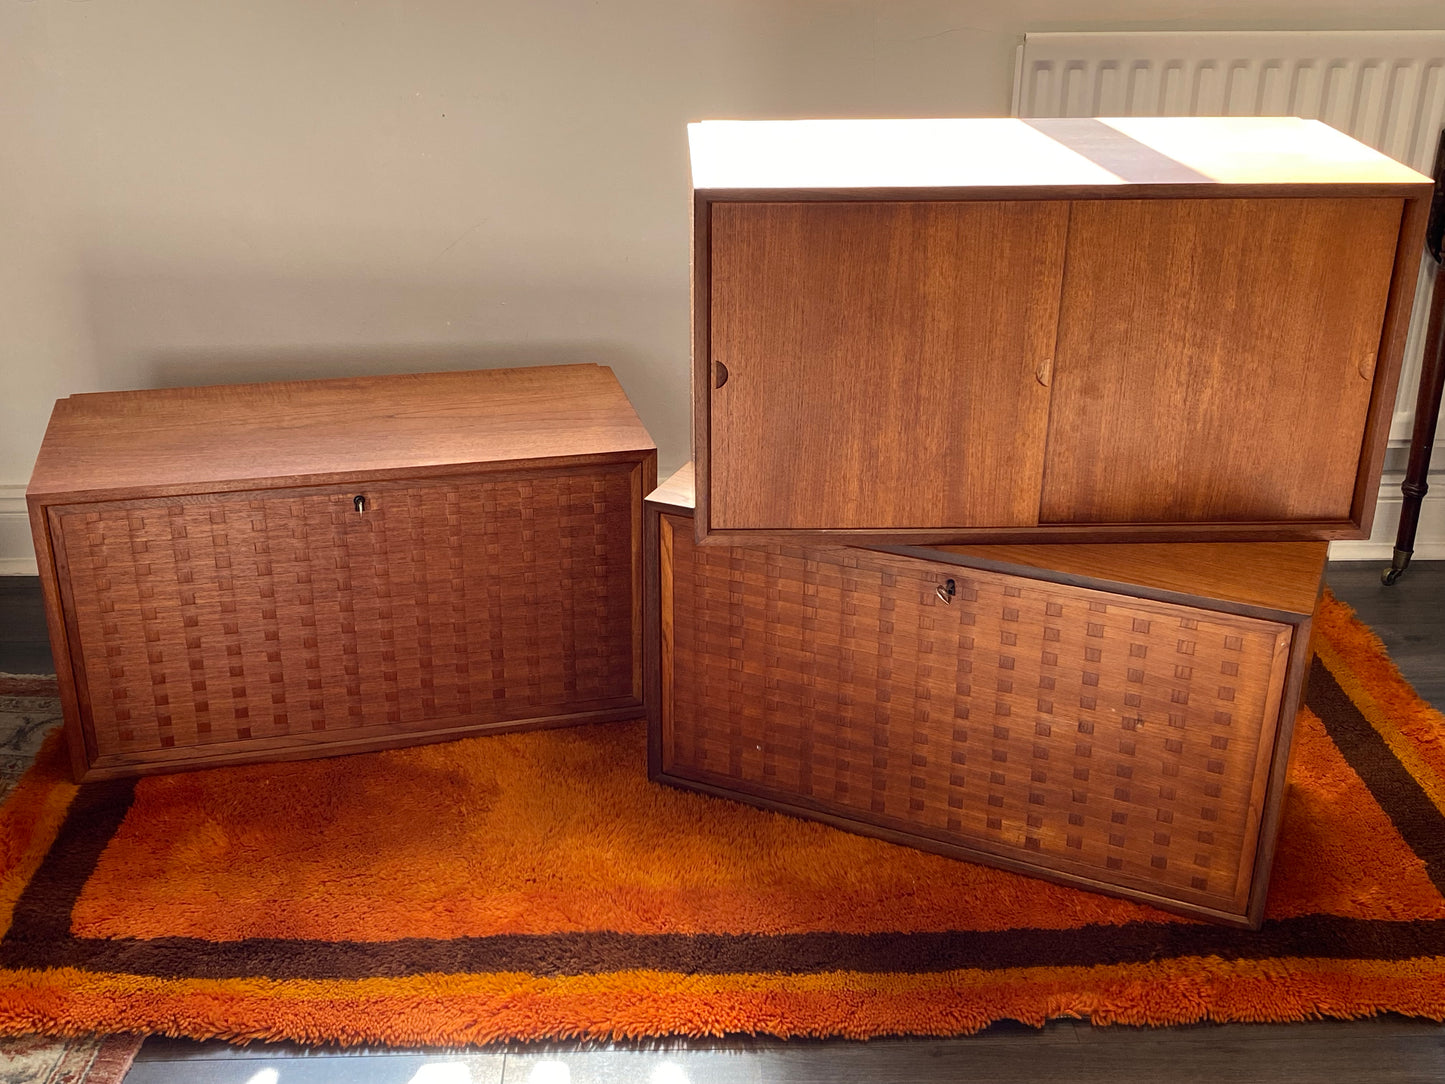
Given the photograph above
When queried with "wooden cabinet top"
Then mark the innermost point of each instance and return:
(1174, 154)
(227, 437)
(1283, 577)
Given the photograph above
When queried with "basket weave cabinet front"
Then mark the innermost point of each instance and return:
(1114, 736)
(294, 620)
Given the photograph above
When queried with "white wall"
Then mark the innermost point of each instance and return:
(200, 193)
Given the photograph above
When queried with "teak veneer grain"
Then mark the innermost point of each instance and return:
(955, 331)
(268, 571)
(160, 441)
(997, 308)
(1113, 717)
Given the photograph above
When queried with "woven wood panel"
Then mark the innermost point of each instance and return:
(262, 615)
(1097, 735)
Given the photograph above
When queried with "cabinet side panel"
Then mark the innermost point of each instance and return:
(887, 363)
(1110, 740)
(291, 617)
(64, 651)
(1216, 359)
(1391, 360)
(667, 527)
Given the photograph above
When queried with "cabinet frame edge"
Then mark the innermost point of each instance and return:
(1265, 835)
(60, 637)
(1389, 361)
(1375, 439)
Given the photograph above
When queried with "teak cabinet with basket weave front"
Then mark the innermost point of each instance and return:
(267, 571)
(1051, 330)
(1116, 717)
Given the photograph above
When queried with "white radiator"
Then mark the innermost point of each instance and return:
(1385, 88)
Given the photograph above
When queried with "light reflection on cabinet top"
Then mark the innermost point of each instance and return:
(226, 437)
(1175, 153)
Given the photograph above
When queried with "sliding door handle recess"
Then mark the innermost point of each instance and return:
(720, 374)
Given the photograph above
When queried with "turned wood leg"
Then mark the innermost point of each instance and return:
(1432, 383)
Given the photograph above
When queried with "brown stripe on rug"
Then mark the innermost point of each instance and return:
(1319, 937)
(1414, 815)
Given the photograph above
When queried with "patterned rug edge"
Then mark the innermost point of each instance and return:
(89, 1059)
(29, 685)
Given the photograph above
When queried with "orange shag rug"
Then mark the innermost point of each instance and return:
(538, 886)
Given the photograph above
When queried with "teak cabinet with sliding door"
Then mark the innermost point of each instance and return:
(971, 330)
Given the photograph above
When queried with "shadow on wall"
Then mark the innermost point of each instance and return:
(265, 329)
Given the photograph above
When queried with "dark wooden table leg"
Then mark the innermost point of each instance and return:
(1432, 384)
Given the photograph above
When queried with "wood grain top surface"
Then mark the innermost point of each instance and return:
(1274, 575)
(297, 432)
(1282, 576)
(678, 489)
(1046, 152)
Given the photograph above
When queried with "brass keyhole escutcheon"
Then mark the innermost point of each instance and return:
(359, 502)
(945, 591)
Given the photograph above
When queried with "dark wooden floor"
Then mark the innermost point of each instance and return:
(1410, 618)
(24, 648)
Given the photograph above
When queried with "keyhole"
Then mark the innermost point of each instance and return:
(360, 503)
(946, 590)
